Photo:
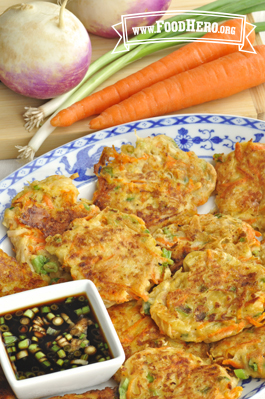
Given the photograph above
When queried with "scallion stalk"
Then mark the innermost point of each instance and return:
(113, 62)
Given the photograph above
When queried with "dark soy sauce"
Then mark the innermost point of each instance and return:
(53, 336)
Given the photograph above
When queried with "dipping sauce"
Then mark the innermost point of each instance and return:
(54, 336)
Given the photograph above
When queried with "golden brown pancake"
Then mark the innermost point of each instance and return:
(201, 232)
(115, 251)
(243, 351)
(154, 180)
(15, 277)
(240, 183)
(106, 393)
(172, 373)
(41, 209)
(216, 296)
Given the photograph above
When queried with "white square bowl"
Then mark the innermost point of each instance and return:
(67, 380)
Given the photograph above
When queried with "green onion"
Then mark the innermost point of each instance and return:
(55, 348)
(166, 253)
(4, 327)
(87, 207)
(8, 316)
(182, 312)
(50, 267)
(33, 348)
(205, 390)
(2, 320)
(61, 353)
(7, 334)
(146, 307)
(46, 363)
(37, 187)
(78, 311)
(242, 239)
(24, 344)
(39, 355)
(69, 299)
(52, 331)
(9, 341)
(113, 62)
(241, 373)
(107, 169)
(50, 316)
(149, 377)
(253, 365)
(22, 354)
(218, 215)
(38, 262)
(60, 362)
(85, 309)
(45, 309)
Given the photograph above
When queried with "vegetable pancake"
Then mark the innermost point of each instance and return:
(171, 373)
(5, 390)
(41, 209)
(244, 351)
(241, 182)
(155, 180)
(138, 331)
(107, 393)
(15, 277)
(115, 251)
(200, 232)
(216, 296)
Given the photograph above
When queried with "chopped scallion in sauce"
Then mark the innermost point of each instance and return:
(54, 336)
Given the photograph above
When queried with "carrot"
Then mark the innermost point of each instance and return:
(217, 79)
(232, 363)
(183, 59)
(48, 201)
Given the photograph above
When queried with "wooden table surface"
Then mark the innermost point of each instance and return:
(249, 103)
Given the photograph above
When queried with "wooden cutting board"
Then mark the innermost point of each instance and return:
(250, 103)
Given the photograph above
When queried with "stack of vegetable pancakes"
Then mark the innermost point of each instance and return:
(186, 292)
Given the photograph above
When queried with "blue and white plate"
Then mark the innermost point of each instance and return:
(201, 133)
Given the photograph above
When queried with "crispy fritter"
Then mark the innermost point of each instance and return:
(15, 277)
(216, 296)
(243, 351)
(137, 331)
(155, 181)
(115, 251)
(106, 393)
(41, 209)
(240, 183)
(5, 390)
(200, 232)
(172, 373)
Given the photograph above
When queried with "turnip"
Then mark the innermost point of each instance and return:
(45, 50)
(98, 16)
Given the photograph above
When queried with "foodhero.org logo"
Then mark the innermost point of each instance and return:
(190, 25)
(183, 26)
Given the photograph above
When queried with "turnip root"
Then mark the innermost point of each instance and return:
(45, 50)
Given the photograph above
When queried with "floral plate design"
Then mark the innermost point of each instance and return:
(205, 134)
